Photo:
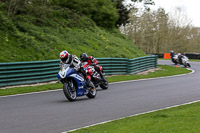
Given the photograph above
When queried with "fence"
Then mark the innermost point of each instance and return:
(192, 55)
(18, 73)
(189, 55)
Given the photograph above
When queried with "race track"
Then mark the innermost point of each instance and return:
(50, 112)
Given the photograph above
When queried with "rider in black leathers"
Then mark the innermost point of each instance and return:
(92, 62)
(180, 58)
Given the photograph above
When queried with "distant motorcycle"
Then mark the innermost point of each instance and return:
(74, 84)
(184, 60)
(174, 59)
(95, 77)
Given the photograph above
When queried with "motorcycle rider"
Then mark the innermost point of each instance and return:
(172, 55)
(92, 62)
(75, 63)
(180, 58)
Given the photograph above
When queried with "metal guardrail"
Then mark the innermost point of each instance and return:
(113, 66)
(141, 64)
(18, 73)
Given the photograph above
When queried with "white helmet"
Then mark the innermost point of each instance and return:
(64, 56)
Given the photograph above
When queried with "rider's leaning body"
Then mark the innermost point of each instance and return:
(75, 63)
(92, 62)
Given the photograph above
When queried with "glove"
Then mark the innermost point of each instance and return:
(76, 69)
(93, 64)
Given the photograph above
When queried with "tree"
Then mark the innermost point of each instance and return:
(103, 12)
(160, 32)
(149, 30)
(15, 5)
(124, 10)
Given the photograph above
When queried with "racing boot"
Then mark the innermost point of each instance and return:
(102, 77)
(89, 83)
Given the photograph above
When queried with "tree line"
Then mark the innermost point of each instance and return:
(159, 32)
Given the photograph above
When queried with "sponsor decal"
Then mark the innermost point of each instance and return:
(77, 76)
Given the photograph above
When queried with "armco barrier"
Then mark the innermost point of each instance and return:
(113, 66)
(141, 64)
(18, 73)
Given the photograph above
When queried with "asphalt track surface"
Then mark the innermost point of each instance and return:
(50, 112)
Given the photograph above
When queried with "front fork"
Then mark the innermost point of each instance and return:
(70, 84)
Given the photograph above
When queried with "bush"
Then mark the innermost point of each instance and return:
(103, 12)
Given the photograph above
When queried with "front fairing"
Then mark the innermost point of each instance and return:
(185, 59)
(65, 71)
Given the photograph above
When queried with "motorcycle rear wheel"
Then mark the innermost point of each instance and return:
(70, 91)
(92, 93)
(104, 85)
(185, 65)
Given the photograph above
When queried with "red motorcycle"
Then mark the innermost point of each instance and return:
(95, 77)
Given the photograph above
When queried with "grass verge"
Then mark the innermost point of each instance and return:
(182, 119)
(164, 71)
(195, 60)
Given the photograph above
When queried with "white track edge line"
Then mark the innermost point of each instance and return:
(131, 116)
(155, 78)
(109, 83)
(30, 93)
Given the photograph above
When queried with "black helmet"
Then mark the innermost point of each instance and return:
(84, 57)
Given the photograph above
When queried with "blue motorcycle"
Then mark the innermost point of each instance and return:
(74, 84)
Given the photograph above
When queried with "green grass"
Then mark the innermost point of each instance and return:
(163, 59)
(165, 71)
(28, 89)
(182, 119)
(195, 60)
(27, 37)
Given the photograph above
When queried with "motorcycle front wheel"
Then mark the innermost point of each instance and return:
(188, 64)
(69, 90)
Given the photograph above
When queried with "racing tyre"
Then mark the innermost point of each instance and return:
(69, 90)
(188, 64)
(104, 85)
(185, 65)
(92, 93)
